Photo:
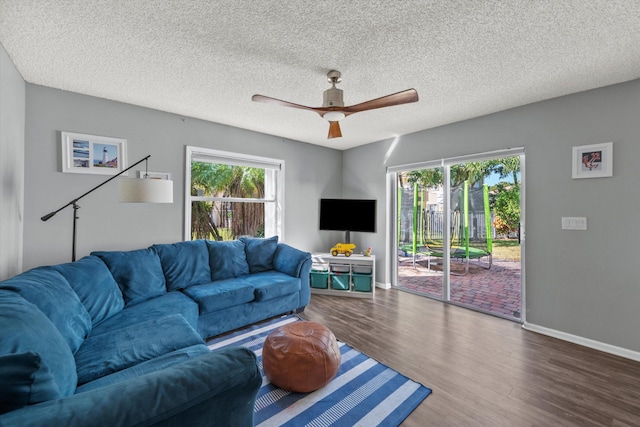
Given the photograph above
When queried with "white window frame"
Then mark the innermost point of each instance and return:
(273, 207)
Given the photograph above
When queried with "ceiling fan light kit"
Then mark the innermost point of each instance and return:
(333, 109)
(334, 116)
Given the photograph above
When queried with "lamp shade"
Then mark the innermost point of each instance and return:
(146, 190)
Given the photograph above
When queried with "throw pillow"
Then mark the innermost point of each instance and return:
(227, 259)
(25, 328)
(25, 380)
(138, 273)
(260, 253)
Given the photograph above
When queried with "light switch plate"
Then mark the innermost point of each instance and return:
(574, 223)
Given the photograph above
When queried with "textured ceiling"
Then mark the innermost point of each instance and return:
(205, 59)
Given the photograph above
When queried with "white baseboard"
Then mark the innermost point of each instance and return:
(383, 285)
(586, 342)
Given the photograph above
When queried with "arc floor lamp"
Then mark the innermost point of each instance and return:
(132, 190)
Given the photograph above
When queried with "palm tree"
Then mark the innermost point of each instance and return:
(426, 178)
(474, 172)
(227, 181)
(509, 166)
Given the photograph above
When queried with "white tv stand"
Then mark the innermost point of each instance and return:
(351, 261)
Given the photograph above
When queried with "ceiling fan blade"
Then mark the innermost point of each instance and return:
(334, 130)
(404, 97)
(275, 101)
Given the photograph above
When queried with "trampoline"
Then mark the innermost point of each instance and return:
(470, 235)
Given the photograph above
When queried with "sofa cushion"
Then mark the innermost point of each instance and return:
(26, 329)
(119, 349)
(92, 281)
(25, 380)
(52, 294)
(184, 264)
(222, 294)
(260, 253)
(169, 303)
(272, 284)
(138, 273)
(227, 259)
(153, 365)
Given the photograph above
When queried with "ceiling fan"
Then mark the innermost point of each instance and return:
(333, 108)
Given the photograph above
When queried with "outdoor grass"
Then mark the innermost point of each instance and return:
(507, 249)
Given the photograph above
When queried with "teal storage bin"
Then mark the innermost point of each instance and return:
(340, 281)
(361, 282)
(319, 279)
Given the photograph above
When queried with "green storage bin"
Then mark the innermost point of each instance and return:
(319, 279)
(340, 281)
(361, 282)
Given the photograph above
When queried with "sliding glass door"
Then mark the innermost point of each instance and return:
(458, 231)
(421, 225)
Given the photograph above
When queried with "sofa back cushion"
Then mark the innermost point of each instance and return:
(92, 281)
(260, 253)
(52, 294)
(25, 331)
(227, 259)
(138, 273)
(184, 264)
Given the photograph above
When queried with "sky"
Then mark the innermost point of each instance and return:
(494, 178)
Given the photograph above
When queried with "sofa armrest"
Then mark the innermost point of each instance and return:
(296, 263)
(215, 388)
(291, 261)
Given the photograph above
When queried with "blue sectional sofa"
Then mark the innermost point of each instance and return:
(117, 338)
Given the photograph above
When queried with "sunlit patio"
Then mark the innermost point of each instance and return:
(496, 290)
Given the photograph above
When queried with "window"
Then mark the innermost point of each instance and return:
(229, 195)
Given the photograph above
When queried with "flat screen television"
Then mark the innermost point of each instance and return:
(348, 215)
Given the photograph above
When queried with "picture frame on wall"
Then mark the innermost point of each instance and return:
(154, 175)
(93, 154)
(592, 161)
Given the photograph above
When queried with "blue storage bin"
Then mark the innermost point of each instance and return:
(362, 282)
(319, 279)
(340, 281)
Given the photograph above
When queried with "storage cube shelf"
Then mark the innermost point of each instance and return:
(352, 276)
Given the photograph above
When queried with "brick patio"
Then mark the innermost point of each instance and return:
(496, 290)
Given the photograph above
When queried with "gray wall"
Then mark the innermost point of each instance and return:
(105, 224)
(12, 119)
(579, 282)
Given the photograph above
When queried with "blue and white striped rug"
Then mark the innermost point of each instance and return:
(364, 393)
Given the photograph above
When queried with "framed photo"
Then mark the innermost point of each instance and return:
(592, 161)
(155, 175)
(99, 155)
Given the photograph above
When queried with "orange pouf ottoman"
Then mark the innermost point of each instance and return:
(301, 356)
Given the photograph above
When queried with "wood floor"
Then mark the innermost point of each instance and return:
(484, 371)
